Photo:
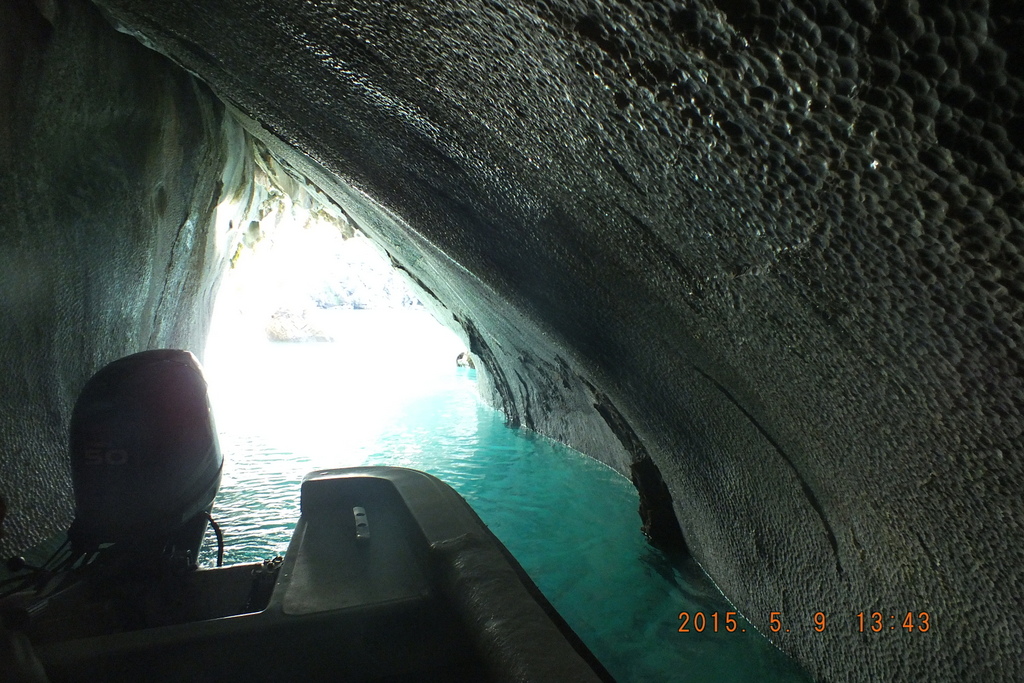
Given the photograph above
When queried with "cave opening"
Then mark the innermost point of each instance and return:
(781, 244)
(315, 336)
(322, 355)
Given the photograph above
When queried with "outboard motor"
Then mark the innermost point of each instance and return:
(145, 461)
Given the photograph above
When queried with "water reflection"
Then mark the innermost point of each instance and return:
(570, 521)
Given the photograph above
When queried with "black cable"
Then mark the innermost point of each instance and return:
(23, 582)
(220, 538)
(14, 579)
(27, 580)
(56, 552)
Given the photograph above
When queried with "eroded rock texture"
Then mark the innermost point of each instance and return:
(773, 247)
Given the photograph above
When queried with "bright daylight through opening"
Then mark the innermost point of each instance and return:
(320, 357)
(317, 348)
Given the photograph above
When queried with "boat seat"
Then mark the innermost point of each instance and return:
(340, 565)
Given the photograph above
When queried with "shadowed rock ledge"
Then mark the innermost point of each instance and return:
(773, 247)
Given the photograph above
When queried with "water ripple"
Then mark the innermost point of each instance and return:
(570, 521)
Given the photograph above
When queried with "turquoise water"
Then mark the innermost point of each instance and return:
(286, 409)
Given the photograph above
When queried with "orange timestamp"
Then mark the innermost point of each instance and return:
(715, 622)
(877, 622)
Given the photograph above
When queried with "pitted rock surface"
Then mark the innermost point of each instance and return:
(774, 247)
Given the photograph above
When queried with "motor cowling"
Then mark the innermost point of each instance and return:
(145, 459)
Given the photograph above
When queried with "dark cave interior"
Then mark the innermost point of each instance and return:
(768, 252)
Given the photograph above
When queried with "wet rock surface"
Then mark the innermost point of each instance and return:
(777, 242)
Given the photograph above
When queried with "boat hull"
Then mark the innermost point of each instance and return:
(389, 575)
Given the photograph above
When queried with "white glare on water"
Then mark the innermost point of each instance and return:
(387, 391)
